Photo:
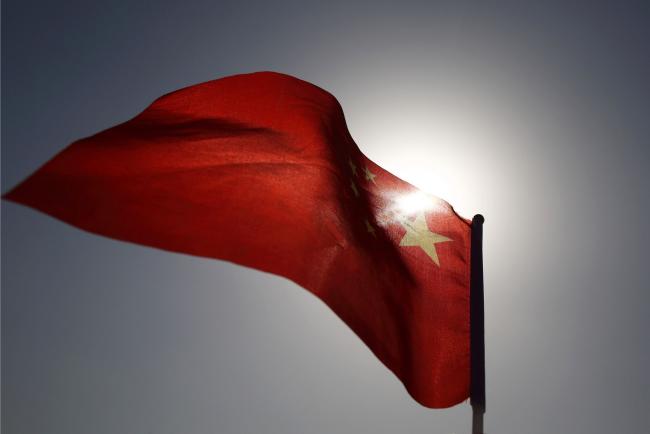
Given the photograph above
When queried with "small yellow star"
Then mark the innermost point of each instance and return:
(418, 234)
(354, 188)
(353, 166)
(369, 175)
(370, 229)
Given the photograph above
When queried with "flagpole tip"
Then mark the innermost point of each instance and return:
(478, 218)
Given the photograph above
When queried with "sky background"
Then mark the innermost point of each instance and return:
(535, 114)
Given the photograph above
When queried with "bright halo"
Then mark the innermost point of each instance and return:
(414, 202)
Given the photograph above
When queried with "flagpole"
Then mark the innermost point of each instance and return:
(477, 327)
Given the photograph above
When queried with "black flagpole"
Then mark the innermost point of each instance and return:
(477, 327)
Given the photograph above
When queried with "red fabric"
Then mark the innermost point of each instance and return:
(260, 169)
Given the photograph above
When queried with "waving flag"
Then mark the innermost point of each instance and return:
(260, 169)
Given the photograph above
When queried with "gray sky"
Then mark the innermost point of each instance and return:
(535, 115)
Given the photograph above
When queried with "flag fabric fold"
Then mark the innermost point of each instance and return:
(260, 170)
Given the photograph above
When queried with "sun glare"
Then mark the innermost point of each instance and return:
(414, 202)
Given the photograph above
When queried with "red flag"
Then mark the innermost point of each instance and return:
(260, 169)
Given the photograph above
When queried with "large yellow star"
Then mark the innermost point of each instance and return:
(418, 234)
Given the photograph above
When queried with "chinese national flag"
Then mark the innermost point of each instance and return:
(260, 169)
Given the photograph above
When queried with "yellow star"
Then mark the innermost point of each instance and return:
(418, 234)
(354, 188)
(353, 166)
(370, 229)
(369, 175)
